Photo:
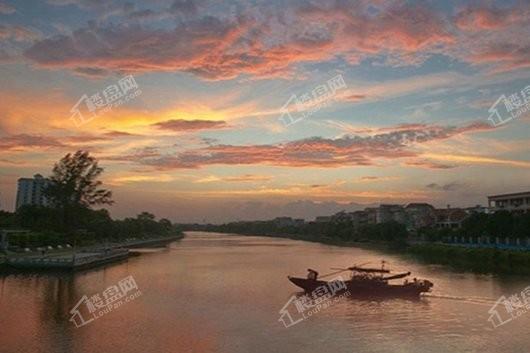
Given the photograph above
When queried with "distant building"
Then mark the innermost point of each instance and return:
(31, 191)
(288, 222)
(420, 215)
(323, 219)
(299, 222)
(450, 217)
(516, 203)
(478, 209)
(371, 214)
(363, 217)
(283, 221)
(341, 217)
(387, 213)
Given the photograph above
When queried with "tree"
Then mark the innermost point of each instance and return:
(73, 185)
(500, 224)
(38, 218)
(146, 217)
(476, 225)
(7, 219)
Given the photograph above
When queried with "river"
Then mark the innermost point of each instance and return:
(223, 293)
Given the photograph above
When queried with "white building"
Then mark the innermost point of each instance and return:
(517, 203)
(31, 191)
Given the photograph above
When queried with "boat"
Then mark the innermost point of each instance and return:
(366, 282)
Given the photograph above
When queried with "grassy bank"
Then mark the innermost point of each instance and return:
(473, 259)
(484, 260)
(332, 241)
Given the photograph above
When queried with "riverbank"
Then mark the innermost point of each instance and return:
(478, 260)
(80, 258)
(330, 241)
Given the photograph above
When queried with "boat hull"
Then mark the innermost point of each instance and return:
(368, 288)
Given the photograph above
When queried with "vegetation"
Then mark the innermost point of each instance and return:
(390, 232)
(393, 235)
(73, 190)
(501, 224)
(482, 260)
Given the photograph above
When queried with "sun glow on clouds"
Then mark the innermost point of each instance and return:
(469, 159)
(234, 179)
(213, 87)
(127, 179)
(301, 192)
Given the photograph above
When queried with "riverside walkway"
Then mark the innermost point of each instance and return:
(81, 258)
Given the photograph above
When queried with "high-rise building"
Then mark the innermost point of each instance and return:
(31, 191)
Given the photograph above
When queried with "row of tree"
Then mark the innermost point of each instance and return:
(72, 192)
(385, 232)
(500, 224)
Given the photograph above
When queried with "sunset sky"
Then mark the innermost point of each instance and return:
(203, 139)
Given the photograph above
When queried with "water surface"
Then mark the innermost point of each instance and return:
(222, 293)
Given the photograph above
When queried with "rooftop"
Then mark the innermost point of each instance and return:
(517, 194)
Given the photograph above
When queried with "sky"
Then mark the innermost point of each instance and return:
(210, 111)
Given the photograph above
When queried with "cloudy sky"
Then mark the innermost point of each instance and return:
(249, 109)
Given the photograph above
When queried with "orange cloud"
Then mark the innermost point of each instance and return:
(189, 125)
(422, 163)
(28, 142)
(311, 152)
(477, 160)
(125, 179)
(235, 179)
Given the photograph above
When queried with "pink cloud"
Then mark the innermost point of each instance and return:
(17, 33)
(487, 18)
(6, 9)
(311, 152)
(504, 56)
(262, 43)
(257, 44)
(355, 97)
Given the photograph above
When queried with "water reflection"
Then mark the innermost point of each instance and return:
(221, 293)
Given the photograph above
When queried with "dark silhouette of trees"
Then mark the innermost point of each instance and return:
(72, 190)
(74, 182)
(74, 186)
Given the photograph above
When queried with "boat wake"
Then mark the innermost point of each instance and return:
(473, 300)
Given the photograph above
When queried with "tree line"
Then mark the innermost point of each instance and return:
(72, 192)
(500, 224)
(392, 231)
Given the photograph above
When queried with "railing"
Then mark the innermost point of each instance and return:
(521, 244)
(40, 260)
(67, 261)
(101, 256)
